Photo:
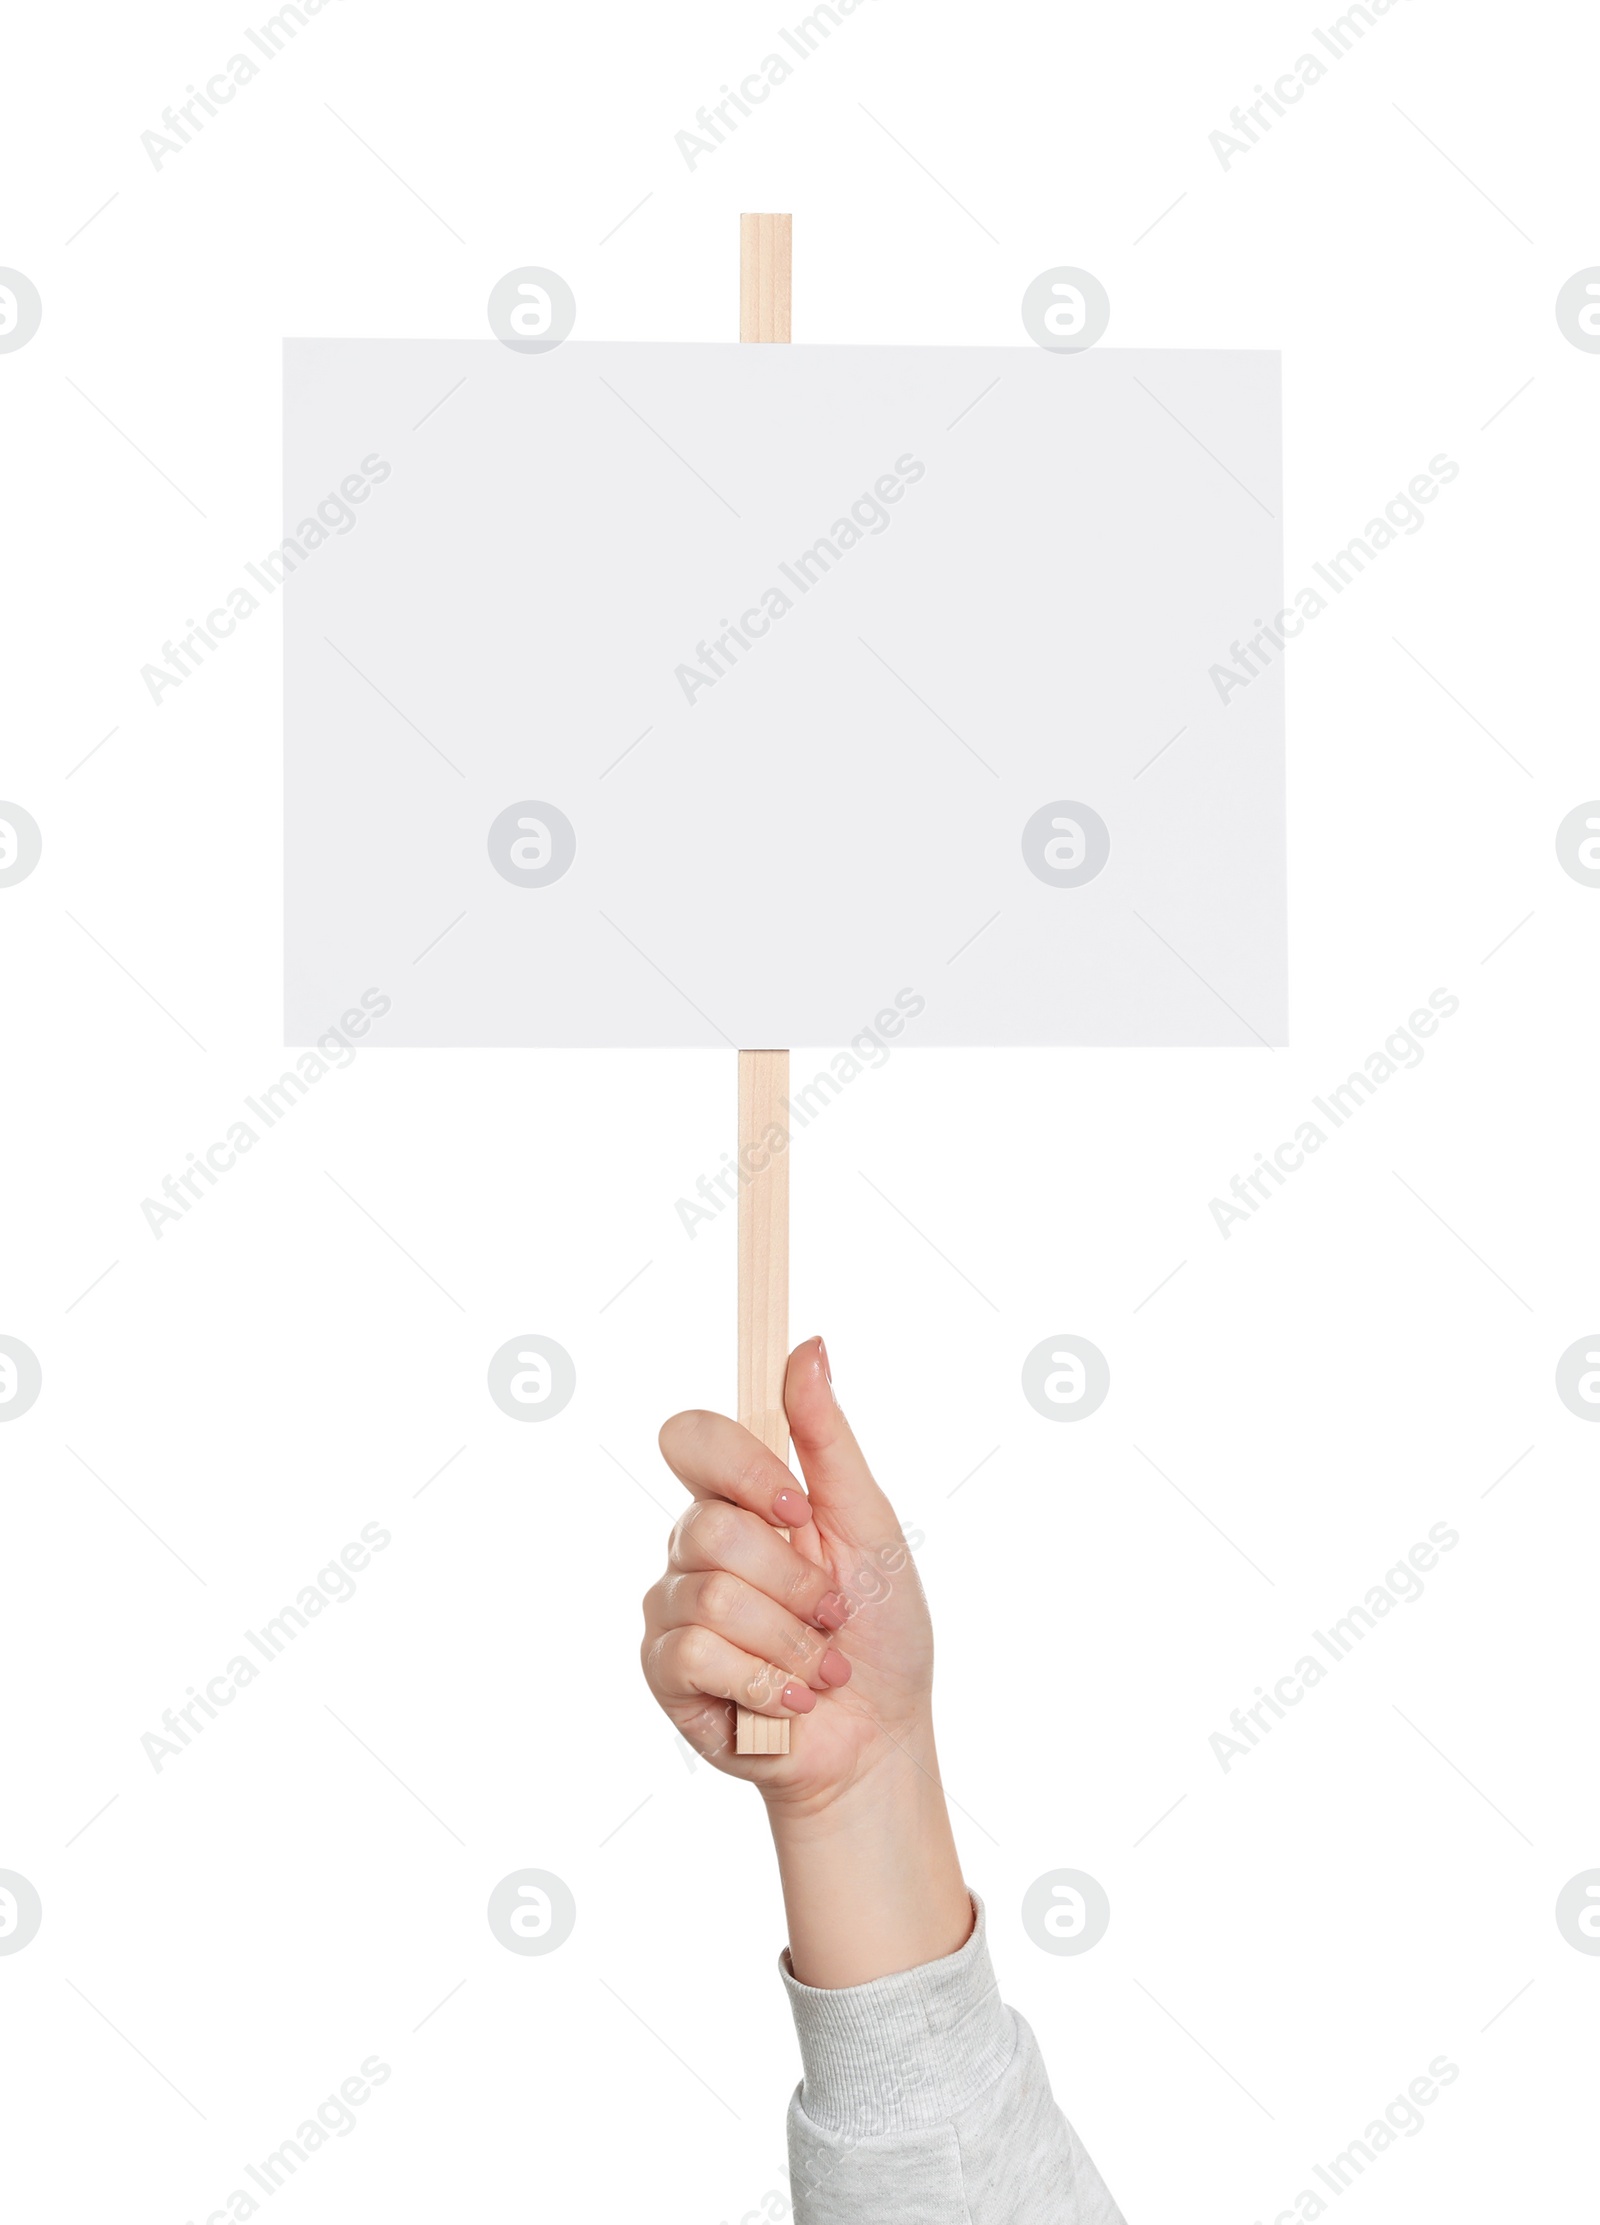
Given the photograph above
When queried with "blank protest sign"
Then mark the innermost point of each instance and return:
(787, 679)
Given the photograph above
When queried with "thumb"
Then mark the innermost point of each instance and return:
(837, 1476)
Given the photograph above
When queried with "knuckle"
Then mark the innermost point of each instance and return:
(674, 1592)
(713, 1524)
(721, 1596)
(660, 1604)
(763, 1685)
(804, 1648)
(751, 1476)
(801, 1583)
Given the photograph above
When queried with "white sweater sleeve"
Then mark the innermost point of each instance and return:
(925, 2102)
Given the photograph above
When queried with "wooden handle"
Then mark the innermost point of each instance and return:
(763, 1295)
(764, 259)
(763, 1247)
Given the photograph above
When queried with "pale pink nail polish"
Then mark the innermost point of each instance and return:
(831, 1611)
(833, 1669)
(791, 1508)
(798, 1697)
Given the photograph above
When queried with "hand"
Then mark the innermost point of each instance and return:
(831, 1630)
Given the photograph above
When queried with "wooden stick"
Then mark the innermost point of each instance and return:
(763, 1296)
(763, 1247)
(764, 264)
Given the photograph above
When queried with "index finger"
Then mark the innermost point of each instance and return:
(715, 1458)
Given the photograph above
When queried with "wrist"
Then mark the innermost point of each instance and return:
(872, 1881)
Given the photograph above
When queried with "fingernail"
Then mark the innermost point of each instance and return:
(833, 1669)
(822, 1355)
(798, 1697)
(791, 1508)
(831, 1611)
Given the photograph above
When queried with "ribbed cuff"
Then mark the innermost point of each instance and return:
(904, 2052)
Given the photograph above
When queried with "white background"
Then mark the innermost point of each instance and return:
(1295, 1941)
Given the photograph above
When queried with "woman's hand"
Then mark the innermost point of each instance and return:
(832, 1631)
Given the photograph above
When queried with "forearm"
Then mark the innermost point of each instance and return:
(923, 2095)
(871, 1882)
